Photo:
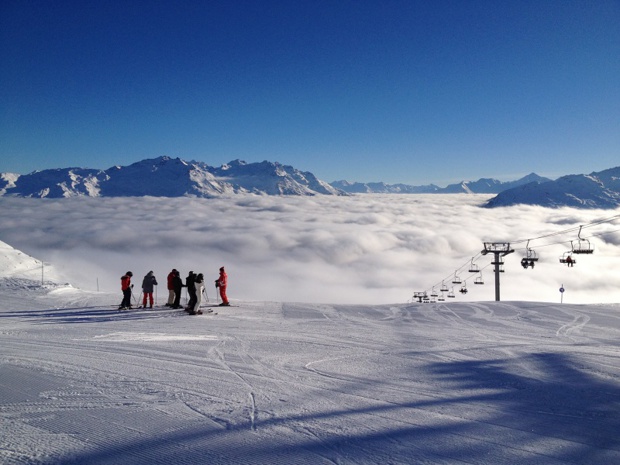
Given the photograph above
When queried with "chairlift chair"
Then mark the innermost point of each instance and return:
(530, 257)
(479, 280)
(474, 268)
(443, 288)
(567, 258)
(434, 293)
(583, 246)
(451, 294)
(456, 279)
(463, 289)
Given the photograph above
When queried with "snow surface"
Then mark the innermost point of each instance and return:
(294, 383)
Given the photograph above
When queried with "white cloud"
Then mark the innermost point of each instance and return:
(360, 249)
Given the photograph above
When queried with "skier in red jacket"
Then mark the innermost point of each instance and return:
(126, 287)
(171, 288)
(222, 282)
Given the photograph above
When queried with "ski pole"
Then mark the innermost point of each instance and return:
(204, 290)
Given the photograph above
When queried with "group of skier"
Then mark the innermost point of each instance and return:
(194, 284)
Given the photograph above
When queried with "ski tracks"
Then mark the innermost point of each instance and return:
(579, 321)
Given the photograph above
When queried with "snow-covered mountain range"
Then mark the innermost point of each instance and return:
(482, 186)
(166, 177)
(594, 190)
(174, 177)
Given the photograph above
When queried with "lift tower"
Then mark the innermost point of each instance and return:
(499, 250)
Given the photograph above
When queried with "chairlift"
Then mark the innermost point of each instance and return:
(567, 258)
(451, 294)
(583, 246)
(434, 293)
(441, 298)
(479, 279)
(443, 288)
(530, 257)
(463, 289)
(456, 279)
(473, 268)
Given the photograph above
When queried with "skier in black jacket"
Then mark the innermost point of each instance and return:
(191, 290)
(177, 283)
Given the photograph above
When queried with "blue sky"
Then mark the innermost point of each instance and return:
(397, 91)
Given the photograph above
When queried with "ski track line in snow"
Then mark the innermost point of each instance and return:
(222, 360)
(579, 321)
(116, 376)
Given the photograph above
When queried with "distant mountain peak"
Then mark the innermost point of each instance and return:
(594, 190)
(482, 186)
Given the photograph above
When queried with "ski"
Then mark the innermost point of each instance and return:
(206, 312)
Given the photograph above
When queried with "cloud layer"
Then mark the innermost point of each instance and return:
(361, 249)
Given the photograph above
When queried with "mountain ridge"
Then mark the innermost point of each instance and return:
(166, 177)
(595, 190)
(481, 186)
(174, 177)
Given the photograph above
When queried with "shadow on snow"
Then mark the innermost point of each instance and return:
(482, 413)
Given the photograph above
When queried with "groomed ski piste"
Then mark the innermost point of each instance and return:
(299, 383)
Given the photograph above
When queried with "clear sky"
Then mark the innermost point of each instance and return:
(393, 90)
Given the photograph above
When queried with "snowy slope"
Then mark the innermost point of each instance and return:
(596, 190)
(29, 283)
(267, 382)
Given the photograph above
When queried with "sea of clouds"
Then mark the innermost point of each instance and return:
(359, 249)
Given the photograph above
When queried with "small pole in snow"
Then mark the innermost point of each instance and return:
(562, 293)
